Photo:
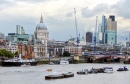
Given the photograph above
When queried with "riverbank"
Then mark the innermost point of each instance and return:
(56, 61)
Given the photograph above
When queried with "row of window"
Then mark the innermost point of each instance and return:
(12, 49)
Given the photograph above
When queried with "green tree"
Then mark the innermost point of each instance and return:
(16, 53)
(66, 53)
(6, 53)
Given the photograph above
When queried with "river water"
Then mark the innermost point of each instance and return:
(36, 74)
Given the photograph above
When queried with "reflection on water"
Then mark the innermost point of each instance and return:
(36, 74)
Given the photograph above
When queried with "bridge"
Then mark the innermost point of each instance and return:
(107, 58)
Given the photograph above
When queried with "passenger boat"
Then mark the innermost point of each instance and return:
(18, 62)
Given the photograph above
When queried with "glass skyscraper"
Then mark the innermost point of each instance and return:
(112, 30)
(104, 28)
(109, 30)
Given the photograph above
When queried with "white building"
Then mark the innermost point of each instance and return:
(41, 36)
(74, 50)
(20, 29)
(12, 37)
(12, 46)
(2, 37)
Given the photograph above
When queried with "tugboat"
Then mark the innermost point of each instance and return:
(122, 69)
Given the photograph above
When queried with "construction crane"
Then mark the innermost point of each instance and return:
(78, 35)
(95, 37)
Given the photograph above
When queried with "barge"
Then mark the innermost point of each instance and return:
(59, 76)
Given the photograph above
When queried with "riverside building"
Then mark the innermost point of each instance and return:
(41, 36)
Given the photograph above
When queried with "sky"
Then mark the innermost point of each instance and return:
(58, 15)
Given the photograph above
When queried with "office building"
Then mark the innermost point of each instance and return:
(89, 37)
(20, 29)
(111, 31)
(103, 29)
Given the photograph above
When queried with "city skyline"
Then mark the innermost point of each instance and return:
(58, 16)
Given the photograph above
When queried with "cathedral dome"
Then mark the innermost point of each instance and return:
(41, 25)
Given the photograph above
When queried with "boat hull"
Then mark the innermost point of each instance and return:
(30, 63)
(9, 64)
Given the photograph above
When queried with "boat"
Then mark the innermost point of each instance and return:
(93, 71)
(18, 62)
(64, 62)
(83, 71)
(49, 70)
(108, 70)
(51, 63)
(68, 74)
(59, 76)
(26, 65)
(122, 69)
(31, 62)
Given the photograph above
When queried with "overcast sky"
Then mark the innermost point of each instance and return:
(58, 15)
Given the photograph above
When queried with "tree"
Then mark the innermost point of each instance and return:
(6, 53)
(66, 53)
(16, 53)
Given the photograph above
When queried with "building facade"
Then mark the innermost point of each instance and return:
(89, 37)
(110, 37)
(20, 29)
(2, 37)
(12, 47)
(24, 38)
(109, 30)
(104, 28)
(74, 50)
(112, 30)
(11, 37)
(41, 36)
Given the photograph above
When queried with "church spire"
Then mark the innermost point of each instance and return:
(41, 20)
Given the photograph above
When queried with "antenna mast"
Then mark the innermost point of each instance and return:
(76, 28)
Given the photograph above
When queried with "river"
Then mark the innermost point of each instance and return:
(36, 74)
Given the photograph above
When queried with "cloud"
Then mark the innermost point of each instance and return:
(69, 14)
(100, 8)
(57, 14)
(122, 8)
(6, 3)
(33, 1)
(63, 30)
